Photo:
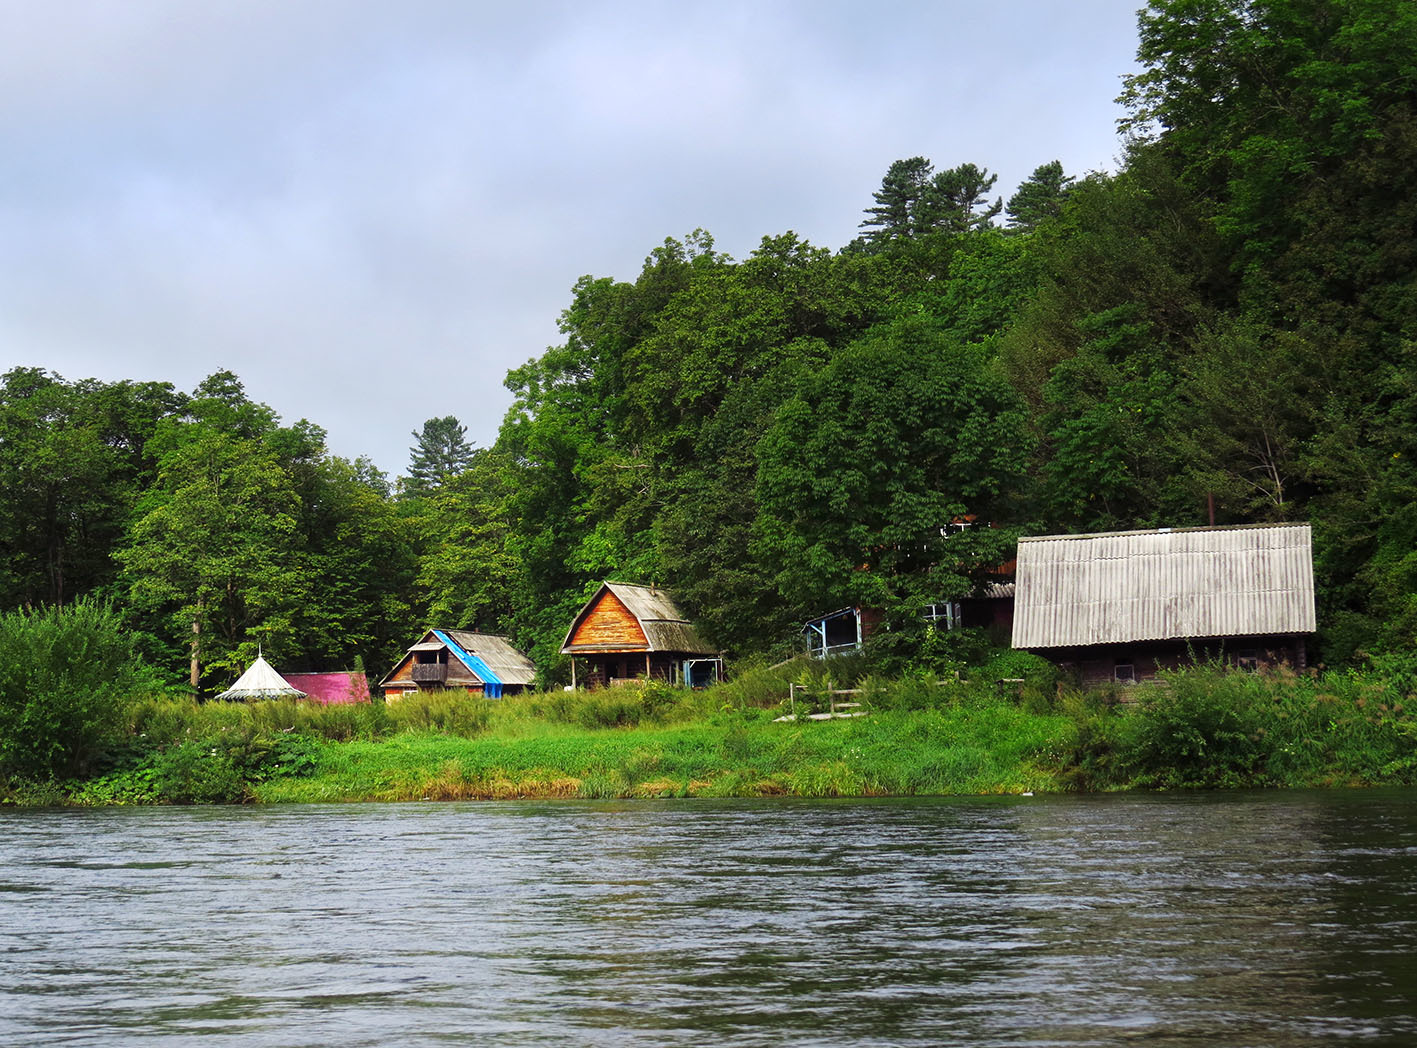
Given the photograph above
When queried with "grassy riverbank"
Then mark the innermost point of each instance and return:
(1203, 728)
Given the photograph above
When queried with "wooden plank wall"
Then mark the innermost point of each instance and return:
(610, 624)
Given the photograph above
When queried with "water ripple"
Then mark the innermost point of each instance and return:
(1260, 919)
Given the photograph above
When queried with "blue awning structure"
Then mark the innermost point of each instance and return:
(491, 683)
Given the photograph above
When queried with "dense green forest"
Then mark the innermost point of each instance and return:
(1230, 319)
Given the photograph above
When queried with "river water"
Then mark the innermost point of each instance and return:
(1199, 919)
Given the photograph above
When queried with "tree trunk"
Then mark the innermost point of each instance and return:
(196, 647)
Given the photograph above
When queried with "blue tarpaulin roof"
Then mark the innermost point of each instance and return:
(492, 682)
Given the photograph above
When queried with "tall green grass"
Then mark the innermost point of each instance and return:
(1010, 726)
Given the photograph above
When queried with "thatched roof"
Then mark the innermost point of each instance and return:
(260, 681)
(1165, 584)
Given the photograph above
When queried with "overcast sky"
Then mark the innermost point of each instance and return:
(371, 209)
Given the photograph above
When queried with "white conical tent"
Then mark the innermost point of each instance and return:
(261, 682)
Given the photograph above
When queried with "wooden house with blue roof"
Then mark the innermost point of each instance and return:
(460, 660)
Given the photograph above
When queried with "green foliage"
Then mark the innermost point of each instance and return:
(915, 201)
(466, 572)
(66, 675)
(440, 712)
(440, 452)
(72, 461)
(1040, 198)
(863, 472)
(216, 546)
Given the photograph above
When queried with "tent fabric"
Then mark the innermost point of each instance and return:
(260, 681)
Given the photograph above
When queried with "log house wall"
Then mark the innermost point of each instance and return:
(610, 624)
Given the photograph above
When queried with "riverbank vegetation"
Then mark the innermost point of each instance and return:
(1009, 727)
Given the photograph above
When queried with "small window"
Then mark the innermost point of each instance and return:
(1125, 672)
(1248, 659)
(945, 616)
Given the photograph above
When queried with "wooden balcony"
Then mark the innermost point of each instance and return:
(430, 672)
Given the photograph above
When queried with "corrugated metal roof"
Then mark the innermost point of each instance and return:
(509, 664)
(1166, 584)
(664, 625)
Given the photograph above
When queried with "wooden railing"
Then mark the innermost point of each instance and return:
(430, 672)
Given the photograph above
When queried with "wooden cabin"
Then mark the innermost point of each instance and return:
(1121, 606)
(447, 660)
(627, 632)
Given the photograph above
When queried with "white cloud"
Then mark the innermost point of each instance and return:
(370, 210)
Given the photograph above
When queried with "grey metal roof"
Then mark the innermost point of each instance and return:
(1166, 584)
(664, 625)
(510, 665)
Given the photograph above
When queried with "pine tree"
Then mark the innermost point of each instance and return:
(898, 201)
(1039, 198)
(441, 451)
(956, 200)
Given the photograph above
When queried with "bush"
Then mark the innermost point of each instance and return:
(66, 678)
(1208, 727)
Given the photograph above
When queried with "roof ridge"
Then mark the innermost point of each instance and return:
(1192, 529)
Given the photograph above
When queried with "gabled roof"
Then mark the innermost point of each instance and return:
(1165, 584)
(488, 658)
(664, 625)
(507, 664)
(260, 681)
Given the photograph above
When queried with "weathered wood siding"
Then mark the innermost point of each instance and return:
(609, 625)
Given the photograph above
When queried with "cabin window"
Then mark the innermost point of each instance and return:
(945, 616)
(1248, 659)
(1124, 672)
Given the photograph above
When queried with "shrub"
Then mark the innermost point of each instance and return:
(66, 678)
(757, 686)
(1205, 729)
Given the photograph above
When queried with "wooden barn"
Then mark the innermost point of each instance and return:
(1120, 606)
(445, 660)
(628, 632)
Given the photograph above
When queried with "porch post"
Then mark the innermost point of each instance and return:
(573, 673)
